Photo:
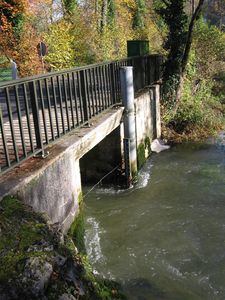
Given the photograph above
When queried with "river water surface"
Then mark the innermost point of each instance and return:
(165, 237)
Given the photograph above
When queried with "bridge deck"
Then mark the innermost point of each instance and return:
(53, 124)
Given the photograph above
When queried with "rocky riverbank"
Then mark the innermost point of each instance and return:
(38, 262)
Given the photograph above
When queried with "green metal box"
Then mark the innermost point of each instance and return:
(137, 48)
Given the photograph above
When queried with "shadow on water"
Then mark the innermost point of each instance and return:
(142, 289)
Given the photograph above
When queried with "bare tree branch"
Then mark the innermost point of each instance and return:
(190, 35)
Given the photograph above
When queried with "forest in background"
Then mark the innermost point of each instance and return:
(76, 32)
(87, 31)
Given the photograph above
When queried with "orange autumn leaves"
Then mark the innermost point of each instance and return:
(18, 38)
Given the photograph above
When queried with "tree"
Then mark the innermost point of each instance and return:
(172, 12)
(69, 6)
(107, 15)
(209, 47)
(111, 12)
(187, 49)
(18, 37)
(139, 20)
(12, 17)
(13, 14)
(178, 44)
(215, 12)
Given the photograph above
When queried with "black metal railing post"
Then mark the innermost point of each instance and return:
(83, 88)
(142, 72)
(36, 117)
(112, 83)
(157, 71)
(6, 153)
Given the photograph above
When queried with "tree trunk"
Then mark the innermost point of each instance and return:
(192, 7)
(104, 14)
(185, 57)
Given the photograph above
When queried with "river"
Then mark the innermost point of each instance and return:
(165, 237)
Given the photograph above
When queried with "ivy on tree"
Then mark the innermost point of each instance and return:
(69, 6)
(139, 20)
(178, 44)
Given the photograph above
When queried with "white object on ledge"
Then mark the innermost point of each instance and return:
(158, 146)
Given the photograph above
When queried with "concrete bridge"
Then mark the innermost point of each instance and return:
(63, 129)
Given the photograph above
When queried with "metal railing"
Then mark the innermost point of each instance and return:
(38, 110)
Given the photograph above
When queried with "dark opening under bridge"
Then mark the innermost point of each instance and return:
(55, 111)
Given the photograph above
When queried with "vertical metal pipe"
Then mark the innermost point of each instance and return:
(127, 90)
(14, 69)
(157, 109)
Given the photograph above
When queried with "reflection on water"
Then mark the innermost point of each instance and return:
(165, 237)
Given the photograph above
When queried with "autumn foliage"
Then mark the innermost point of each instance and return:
(18, 38)
(76, 33)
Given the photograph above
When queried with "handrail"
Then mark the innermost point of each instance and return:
(35, 111)
(65, 71)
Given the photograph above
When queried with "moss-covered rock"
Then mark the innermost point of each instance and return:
(38, 262)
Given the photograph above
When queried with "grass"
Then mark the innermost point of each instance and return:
(5, 74)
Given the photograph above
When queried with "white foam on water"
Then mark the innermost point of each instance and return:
(92, 241)
(144, 177)
(111, 191)
(174, 271)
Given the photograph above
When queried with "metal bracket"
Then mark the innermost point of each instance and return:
(87, 125)
(42, 154)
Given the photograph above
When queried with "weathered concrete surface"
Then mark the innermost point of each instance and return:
(148, 121)
(53, 185)
(144, 117)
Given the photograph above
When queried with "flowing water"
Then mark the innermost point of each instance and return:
(165, 237)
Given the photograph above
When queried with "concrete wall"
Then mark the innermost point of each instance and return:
(56, 191)
(148, 123)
